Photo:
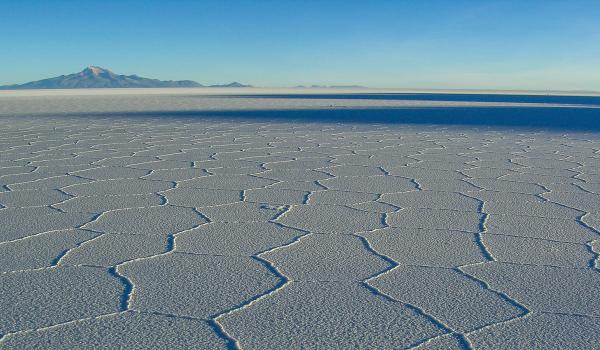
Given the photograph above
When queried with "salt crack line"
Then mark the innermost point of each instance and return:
(524, 309)
(283, 282)
(58, 325)
(419, 311)
(57, 260)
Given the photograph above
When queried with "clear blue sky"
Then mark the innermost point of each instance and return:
(541, 44)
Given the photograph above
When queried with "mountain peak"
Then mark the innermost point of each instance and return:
(95, 71)
(98, 77)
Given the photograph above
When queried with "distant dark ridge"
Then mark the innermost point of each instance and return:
(96, 77)
(234, 84)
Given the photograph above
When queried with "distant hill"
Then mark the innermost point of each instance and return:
(234, 84)
(96, 77)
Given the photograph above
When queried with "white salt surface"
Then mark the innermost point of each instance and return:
(126, 224)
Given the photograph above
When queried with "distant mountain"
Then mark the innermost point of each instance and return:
(96, 77)
(235, 84)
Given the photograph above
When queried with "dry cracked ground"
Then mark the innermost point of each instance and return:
(150, 233)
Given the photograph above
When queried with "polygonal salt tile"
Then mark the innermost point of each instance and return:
(99, 204)
(30, 177)
(241, 212)
(189, 155)
(305, 163)
(384, 161)
(294, 175)
(372, 184)
(353, 170)
(329, 150)
(14, 170)
(5, 163)
(411, 172)
(522, 250)
(162, 164)
(449, 296)
(226, 182)
(441, 219)
(262, 159)
(440, 165)
(589, 187)
(41, 250)
(239, 154)
(540, 331)
(162, 220)
(307, 186)
(571, 186)
(118, 187)
(443, 342)
(197, 197)
(543, 288)
(432, 200)
(196, 285)
(239, 146)
(110, 173)
(42, 298)
(545, 163)
(247, 170)
(330, 219)
(508, 203)
(234, 239)
(445, 156)
(375, 207)
(65, 162)
(498, 164)
(31, 198)
(449, 185)
(486, 173)
(540, 179)
(111, 249)
(585, 201)
(587, 169)
(125, 161)
(340, 197)
(540, 155)
(226, 163)
(545, 228)
(176, 174)
(426, 247)
(275, 196)
(56, 182)
(129, 330)
(507, 186)
(315, 315)
(589, 178)
(327, 258)
(102, 153)
(23, 222)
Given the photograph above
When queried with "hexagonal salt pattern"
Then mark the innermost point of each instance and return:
(212, 233)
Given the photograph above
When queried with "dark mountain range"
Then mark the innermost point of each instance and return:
(96, 77)
(234, 84)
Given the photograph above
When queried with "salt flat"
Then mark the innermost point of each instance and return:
(276, 219)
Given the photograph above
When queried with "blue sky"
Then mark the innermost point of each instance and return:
(523, 44)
